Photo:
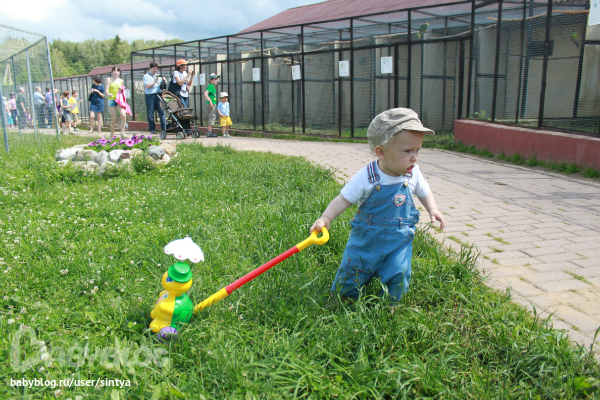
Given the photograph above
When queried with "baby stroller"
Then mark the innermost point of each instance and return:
(180, 121)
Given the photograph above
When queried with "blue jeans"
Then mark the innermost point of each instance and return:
(153, 104)
(185, 101)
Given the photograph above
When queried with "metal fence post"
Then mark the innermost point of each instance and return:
(132, 91)
(262, 78)
(293, 113)
(545, 65)
(461, 79)
(351, 77)
(18, 121)
(2, 112)
(54, 116)
(471, 45)
(200, 72)
(409, 66)
(302, 80)
(340, 98)
(497, 60)
(33, 110)
(522, 40)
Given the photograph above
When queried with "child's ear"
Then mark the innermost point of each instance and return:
(380, 152)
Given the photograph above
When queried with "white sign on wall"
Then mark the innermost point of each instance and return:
(296, 72)
(594, 18)
(387, 65)
(127, 93)
(256, 74)
(344, 68)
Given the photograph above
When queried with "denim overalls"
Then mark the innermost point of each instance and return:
(380, 243)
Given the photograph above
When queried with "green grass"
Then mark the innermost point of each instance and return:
(82, 257)
(446, 142)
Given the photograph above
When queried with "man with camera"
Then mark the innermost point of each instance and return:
(152, 85)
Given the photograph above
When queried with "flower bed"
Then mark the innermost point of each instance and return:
(136, 142)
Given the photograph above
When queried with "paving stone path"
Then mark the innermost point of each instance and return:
(538, 232)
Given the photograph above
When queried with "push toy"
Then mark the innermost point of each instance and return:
(174, 307)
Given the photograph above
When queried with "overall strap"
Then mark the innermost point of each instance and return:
(372, 172)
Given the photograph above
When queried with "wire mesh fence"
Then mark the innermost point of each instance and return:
(333, 77)
(26, 89)
(519, 62)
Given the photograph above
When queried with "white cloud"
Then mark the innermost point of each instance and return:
(147, 32)
(139, 19)
(33, 12)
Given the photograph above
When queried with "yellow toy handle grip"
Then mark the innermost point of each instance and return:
(313, 239)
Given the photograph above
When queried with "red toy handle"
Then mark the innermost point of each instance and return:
(226, 291)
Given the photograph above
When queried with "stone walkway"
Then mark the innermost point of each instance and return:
(538, 232)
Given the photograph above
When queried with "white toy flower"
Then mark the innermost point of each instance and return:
(183, 249)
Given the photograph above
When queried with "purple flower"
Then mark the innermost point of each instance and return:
(114, 137)
(129, 143)
(114, 144)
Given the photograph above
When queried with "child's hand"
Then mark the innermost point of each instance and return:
(320, 223)
(435, 214)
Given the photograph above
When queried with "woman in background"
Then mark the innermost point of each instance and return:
(115, 85)
(183, 80)
(96, 103)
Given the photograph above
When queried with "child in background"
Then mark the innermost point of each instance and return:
(223, 110)
(73, 103)
(28, 119)
(11, 109)
(66, 112)
(9, 120)
(210, 94)
(383, 228)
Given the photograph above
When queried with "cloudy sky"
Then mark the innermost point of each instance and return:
(135, 19)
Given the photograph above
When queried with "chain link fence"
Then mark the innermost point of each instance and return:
(533, 64)
(28, 99)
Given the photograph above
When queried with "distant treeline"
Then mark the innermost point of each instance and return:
(75, 58)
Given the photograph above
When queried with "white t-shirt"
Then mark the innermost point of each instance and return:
(181, 75)
(358, 188)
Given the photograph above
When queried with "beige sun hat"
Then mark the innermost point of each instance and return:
(223, 94)
(388, 123)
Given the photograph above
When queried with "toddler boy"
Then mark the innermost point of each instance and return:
(223, 110)
(383, 228)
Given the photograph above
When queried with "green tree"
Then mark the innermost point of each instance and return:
(79, 58)
(60, 65)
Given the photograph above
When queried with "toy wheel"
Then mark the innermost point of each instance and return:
(167, 333)
(180, 135)
(163, 135)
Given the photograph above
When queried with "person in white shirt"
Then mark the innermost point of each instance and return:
(151, 88)
(383, 228)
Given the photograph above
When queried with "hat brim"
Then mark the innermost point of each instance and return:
(418, 128)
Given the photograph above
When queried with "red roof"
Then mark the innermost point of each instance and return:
(124, 67)
(338, 9)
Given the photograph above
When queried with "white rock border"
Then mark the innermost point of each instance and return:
(96, 162)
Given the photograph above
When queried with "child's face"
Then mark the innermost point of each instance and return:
(223, 99)
(402, 154)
